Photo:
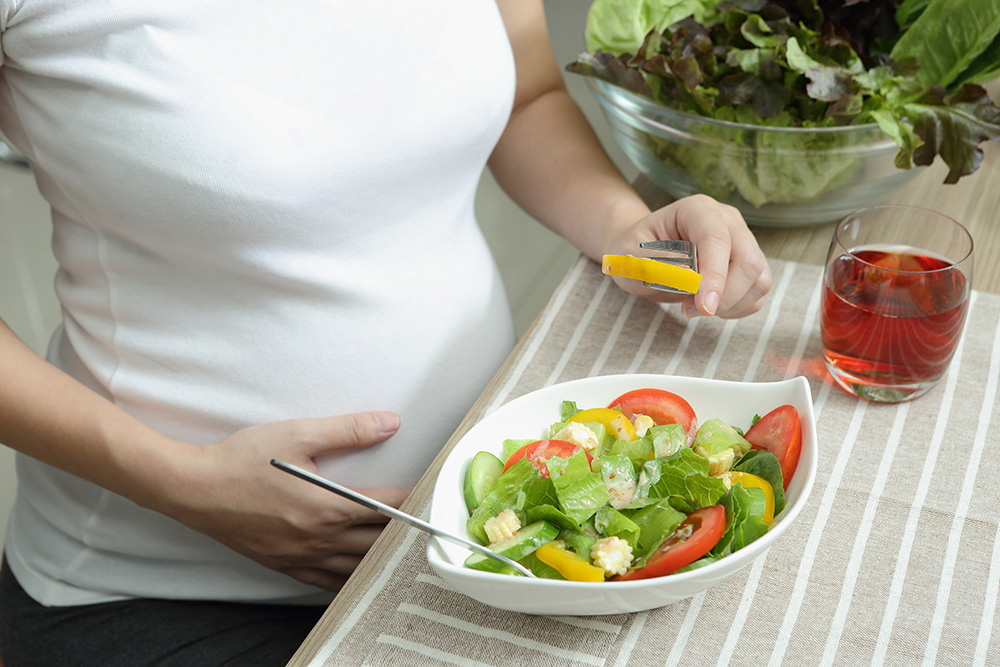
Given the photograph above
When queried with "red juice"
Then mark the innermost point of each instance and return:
(884, 324)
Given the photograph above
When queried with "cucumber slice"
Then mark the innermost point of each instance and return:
(479, 478)
(516, 547)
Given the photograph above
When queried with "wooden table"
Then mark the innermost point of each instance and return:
(343, 634)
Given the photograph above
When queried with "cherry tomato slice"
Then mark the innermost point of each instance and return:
(695, 537)
(779, 432)
(540, 451)
(662, 406)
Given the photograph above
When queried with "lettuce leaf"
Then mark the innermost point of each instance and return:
(953, 127)
(667, 439)
(609, 521)
(766, 466)
(619, 26)
(947, 38)
(550, 514)
(580, 490)
(913, 70)
(520, 486)
(744, 524)
(580, 540)
(656, 523)
(681, 479)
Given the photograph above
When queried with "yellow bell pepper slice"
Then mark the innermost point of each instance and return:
(651, 271)
(747, 480)
(568, 564)
(616, 423)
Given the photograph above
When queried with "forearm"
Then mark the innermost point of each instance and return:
(551, 162)
(49, 416)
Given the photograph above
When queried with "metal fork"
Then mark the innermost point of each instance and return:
(393, 513)
(680, 253)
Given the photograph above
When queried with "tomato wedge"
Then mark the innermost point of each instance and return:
(697, 534)
(662, 406)
(779, 432)
(540, 451)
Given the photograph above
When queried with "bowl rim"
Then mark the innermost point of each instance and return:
(736, 560)
(603, 90)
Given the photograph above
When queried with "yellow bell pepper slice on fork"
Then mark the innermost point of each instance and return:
(651, 271)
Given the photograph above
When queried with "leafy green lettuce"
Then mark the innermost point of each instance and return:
(519, 487)
(744, 523)
(914, 69)
(617, 25)
(681, 479)
(765, 465)
(656, 523)
(580, 490)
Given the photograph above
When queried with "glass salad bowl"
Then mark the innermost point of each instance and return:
(531, 414)
(775, 176)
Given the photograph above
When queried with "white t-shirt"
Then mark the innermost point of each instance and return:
(261, 211)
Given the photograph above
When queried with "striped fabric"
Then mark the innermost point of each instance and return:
(895, 560)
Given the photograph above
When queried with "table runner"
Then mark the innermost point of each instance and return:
(894, 560)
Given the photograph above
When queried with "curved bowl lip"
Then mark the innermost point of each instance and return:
(808, 466)
(600, 88)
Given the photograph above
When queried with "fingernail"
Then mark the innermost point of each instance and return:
(690, 312)
(711, 303)
(388, 421)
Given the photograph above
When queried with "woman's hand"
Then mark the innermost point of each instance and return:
(228, 490)
(235, 496)
(551, 163)
(735, 273)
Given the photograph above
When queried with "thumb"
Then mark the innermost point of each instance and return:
(353, 431)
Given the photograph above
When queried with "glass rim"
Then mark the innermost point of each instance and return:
(956, 264)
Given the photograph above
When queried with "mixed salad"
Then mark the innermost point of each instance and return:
(634, 490)
(913, 67)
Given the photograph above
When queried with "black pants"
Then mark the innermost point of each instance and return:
(133, 633)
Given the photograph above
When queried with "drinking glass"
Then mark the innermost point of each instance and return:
(895, 294)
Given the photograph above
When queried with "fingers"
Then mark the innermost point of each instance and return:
(277, 520)
(748, 285)
(355, 541)
(317, 577)
(350, 513)
(362, 429)
(387, 495)
(734, 280)
(735, 273)
(328, 563)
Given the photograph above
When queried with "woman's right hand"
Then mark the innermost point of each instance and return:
(228, 490)
(235, 496)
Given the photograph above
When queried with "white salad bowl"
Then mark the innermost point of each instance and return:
(530, 415)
